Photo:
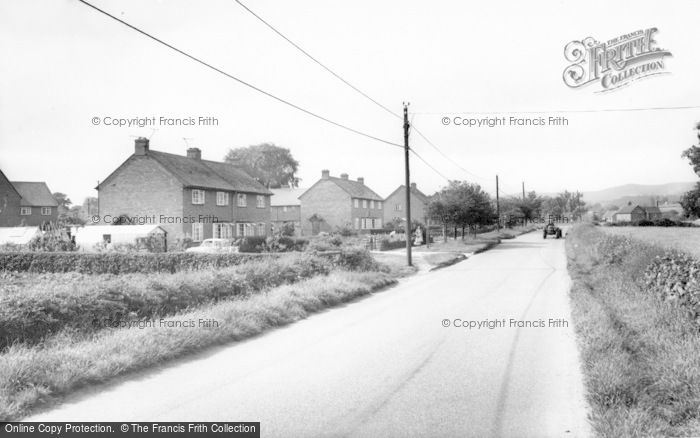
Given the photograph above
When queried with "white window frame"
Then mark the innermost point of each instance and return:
(357, 223)
(240, 229)
(379, 205)
(221, 198)
(197, 231)
(46, 211)
(371, 204)
(221, 231)
(25, 211)
(196, 197)
(242, 200)
(364, 203)
(357, 203)
(260, 229)
(284, 208)
(260, 201)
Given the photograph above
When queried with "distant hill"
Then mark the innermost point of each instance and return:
(638, 193)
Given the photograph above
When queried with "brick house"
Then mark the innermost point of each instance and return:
(24, 203)
(285, 208)
(635, 213)
(334, 203)
(185, 195)
(395, 205)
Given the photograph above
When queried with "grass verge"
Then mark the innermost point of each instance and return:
(34, 375)
(640, 354)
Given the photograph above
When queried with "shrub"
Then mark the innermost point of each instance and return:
(285, 244)
(254, 244)
(88, 303)
(387, 244)
(116, 263)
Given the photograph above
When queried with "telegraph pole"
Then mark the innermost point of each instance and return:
(523, 190)
(498, 208)
(408, 185)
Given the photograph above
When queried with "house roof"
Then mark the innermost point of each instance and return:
(34, 194)
(422, 196)
(203, 173)
(285, 196)
(609, 214)
(355, 189)
(627, 209)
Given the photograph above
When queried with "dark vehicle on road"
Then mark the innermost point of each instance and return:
(551, 230)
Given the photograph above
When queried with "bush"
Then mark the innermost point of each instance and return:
(285, 244)
(88, 303)
(255, 244)
(116, 263)
(387, 244)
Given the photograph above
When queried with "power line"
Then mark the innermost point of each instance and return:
(653, 108)
(247, 84)
(328, 69)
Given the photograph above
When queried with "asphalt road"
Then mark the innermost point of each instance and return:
(386, 365)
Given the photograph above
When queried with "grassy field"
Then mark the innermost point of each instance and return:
(640, 354)
(676, 238)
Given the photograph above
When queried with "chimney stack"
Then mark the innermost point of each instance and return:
(413, 186)
(195, 153)
(141, 146)
(361, 180)
(325, 174)
(344, 176)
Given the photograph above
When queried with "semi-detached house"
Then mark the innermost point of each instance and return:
(334, 203)
(185, 195)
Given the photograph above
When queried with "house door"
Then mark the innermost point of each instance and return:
(315, 227)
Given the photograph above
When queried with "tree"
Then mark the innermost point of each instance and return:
(691, 199)
(271, 165)
(461, 204)
(64, 204)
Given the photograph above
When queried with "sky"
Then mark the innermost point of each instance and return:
(65, 64)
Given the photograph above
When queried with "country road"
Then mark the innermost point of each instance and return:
(386, 366)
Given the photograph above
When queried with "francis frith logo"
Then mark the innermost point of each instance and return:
(616, 62)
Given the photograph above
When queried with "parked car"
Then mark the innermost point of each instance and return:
(214, 246)
(551, 230)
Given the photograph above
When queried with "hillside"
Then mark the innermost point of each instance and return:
(638, 193)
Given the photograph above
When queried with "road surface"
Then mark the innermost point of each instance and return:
(386, 365)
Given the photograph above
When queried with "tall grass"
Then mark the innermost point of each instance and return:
(30, 375)
(640, 354)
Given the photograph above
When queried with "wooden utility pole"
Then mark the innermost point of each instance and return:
(523, 190)
(498, 208)
(409, 260)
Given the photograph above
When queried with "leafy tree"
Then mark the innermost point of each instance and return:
(691, 199)
(273, 166)
(461, 204)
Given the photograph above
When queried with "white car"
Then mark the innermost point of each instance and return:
(214, 246)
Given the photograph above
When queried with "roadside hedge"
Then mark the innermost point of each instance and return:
(675, 277)
(118, 263)
(87, 303)
(387, 245)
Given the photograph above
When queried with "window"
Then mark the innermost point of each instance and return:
(357, 203)
(379, 205)
(222, 231)
(25, 211)
(197, 232)
(377, 223)
(357, 222)
(198, 196)
(260, 201)
(221, 198)
(261, 229)
(284, 208)
(242, 200)
(240, 230)
(364, 203)
(106, 239)
(46, 211)
(371, 203)
(397, 207)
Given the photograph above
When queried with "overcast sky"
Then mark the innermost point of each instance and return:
(64, 63)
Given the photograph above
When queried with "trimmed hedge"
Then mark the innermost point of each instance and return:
(87, 304)
(387, 245)
(675, 277)
(117, 263)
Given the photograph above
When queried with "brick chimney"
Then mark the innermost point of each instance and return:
(361, 180)
(413, 186)
(141, 146)
(344, 176)
(325, 174)
(195, 153)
